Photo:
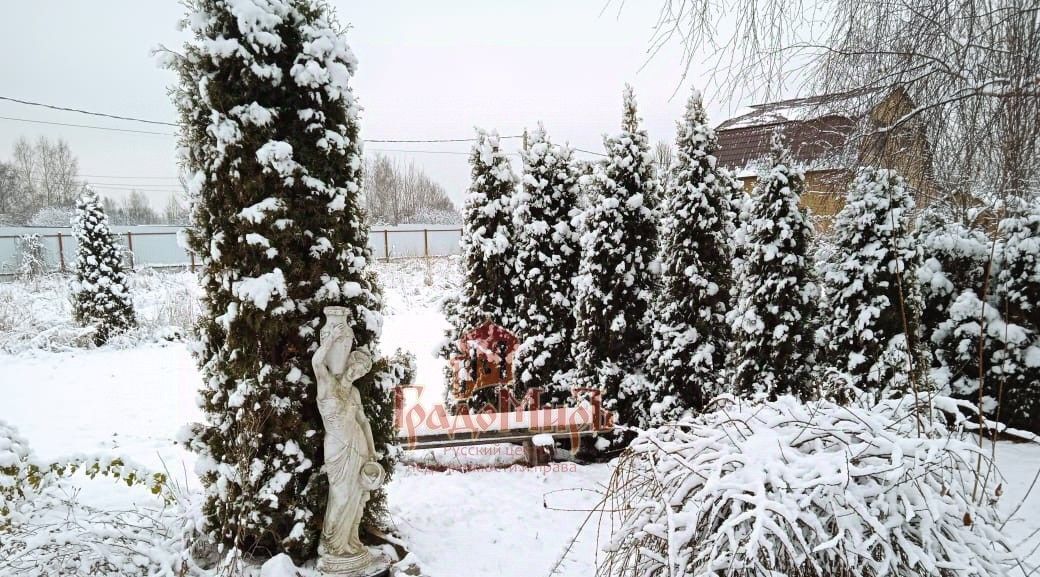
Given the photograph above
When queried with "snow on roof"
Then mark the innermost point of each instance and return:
(818, 130)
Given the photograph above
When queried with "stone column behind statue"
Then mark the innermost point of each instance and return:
(351, 460)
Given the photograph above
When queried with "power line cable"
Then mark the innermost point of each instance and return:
(127, 176)
(162, 123)
(86, 126)
(431, 140)
(386, 141)
(88, 112)
(590, 152)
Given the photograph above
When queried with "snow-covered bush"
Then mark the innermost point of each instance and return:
(547, 257)
(957, 346)
(32, 258)
(772, 320)
(53, 216)
(40, 315)
(101, 288)
(1018, 295)
(270, 137)
(954, 259)
(873, 301)
(45, 530)
(690, 334)
(15, 470)
(813, 490)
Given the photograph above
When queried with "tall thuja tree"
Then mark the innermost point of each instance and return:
(101, 293)
(772, 321)
(690, 336)
(270, 136)
(547, 257)
(1018, 295)
(873, 298)
(488, 254)
(954, 259)
(615, 281)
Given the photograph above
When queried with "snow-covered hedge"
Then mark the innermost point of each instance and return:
(814, 489)
(45, 530)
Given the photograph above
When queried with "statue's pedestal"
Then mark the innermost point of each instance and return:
(361, 565)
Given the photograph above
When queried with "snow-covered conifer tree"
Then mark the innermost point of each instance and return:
(873, 298)
(488, 252)
(773, 330)
(615, 281)
(1018, 294)
(270, 136)
(954, 259)
(101, 290)
(690, 332)
(547, 257)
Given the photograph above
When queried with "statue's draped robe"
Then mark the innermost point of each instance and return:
(346, 451)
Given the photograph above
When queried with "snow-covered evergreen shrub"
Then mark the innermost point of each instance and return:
(45, 530)
(741, 205)
(690, 334)
(772, 320)
(101, 295)
(488, 253)
(615, 279)
(32, 258)
(547, 257)
(15, 470)
(957, 346)
(270, 136)
(488, 238)
(814, 490)
(954, 259)
(1018, 292)
(870, 280)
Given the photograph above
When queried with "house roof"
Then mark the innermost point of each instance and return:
(817, 130)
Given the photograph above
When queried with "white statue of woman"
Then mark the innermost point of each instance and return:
(351, 460)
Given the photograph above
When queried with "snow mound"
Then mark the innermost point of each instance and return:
(809, 489)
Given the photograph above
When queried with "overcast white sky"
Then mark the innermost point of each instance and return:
(427, 70)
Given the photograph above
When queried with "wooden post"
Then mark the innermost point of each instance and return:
(130, 247)
(386, 244)
(426, 242)
(536, 456)
(61, 253)
(192, 253)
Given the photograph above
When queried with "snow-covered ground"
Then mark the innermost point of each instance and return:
(130, 399)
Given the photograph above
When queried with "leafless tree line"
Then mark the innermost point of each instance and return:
(397, 193)
(39, 175)
(40, 183)
(135, 209)
(970, 67)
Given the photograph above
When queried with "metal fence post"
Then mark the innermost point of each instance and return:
(426, 242)
(192, 253)
(61, 253)
(130, 247)
(386, 244)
